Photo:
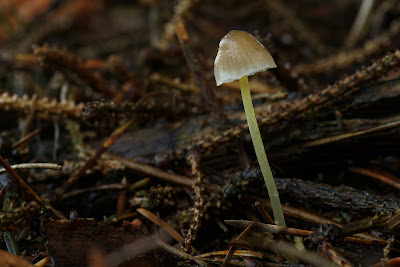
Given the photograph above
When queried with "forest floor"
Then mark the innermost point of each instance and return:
(119, 149)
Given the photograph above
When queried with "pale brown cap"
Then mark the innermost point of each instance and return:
(240, 54)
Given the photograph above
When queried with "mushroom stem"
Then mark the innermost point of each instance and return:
(260, 152)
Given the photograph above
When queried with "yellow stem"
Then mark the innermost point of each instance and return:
(260, 152)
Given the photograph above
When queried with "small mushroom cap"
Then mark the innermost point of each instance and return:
(240, 54)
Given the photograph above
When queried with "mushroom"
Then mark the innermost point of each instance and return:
(240, 54)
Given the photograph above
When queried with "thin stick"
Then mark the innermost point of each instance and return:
(286, 249)
(152, 171)
(263, 212)
(157, 77)
(96, 188)
(392, 181)
(232, 249)
(296, 232)
(155, 219)
(339, 137)
(359, 23)
(392, 222)
(50, 166)
(29, 191)
(27, 138)
(243, 253)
